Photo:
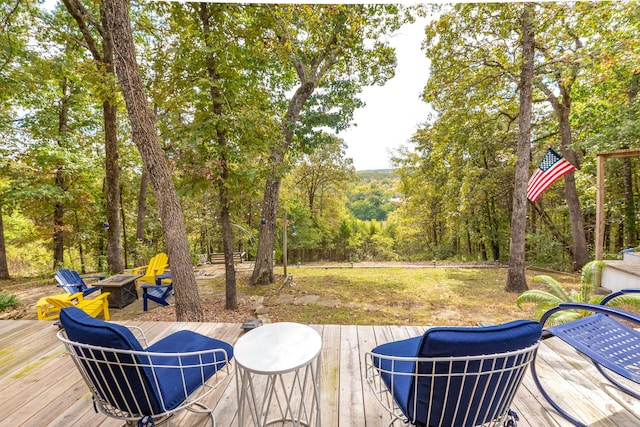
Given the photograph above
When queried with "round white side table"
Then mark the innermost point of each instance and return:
(278, 375)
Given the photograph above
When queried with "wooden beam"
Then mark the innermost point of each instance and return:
(600, 206)
(619, 153)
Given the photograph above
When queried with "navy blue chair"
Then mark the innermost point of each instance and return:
(453, 376)
(73, 283)
(158, 293)
(608, 336)
(144, 384)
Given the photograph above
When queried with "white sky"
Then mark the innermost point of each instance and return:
(393, 112)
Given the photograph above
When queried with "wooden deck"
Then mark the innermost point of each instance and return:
(40, 386)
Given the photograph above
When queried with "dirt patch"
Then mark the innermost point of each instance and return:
(213, 310)
(213, 302)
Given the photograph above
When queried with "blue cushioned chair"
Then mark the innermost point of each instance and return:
(159, 293)
(131, 382)
(608, 336)
(73, 283)
(453, 376)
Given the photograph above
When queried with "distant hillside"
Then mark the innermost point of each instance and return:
(376, 174)
(375, 195)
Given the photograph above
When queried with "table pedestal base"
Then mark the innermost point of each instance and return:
(280, 399)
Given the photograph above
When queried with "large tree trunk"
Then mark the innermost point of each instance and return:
(516, 279)
(142, 211)
(58, 207)
(112, 178)
(142, 205)
(58, 225)
(263, 268)
(580, 250)
(124, 231)
(562, 107)
(83, 263)
(112, 168)
(144, 135)
(231, 302)
(231, 298)
(4, 269)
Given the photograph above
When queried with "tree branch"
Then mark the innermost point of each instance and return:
(6, 23)
(81, 16)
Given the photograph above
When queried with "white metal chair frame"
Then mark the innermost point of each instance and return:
(88, 358)
(512, 364)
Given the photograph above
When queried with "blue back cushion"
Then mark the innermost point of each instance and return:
(198, 369)
(452, 342)
(82, 328)
(461, 341)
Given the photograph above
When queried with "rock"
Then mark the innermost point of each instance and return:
(261, 311)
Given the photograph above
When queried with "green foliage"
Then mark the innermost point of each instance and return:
(556, 293)
(7, 301)
(375, 196)
(448, 197)
(28, 252)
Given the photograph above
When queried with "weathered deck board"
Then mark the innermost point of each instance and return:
(40, 386)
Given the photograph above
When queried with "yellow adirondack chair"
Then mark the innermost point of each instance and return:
(47, 311)
(156, 266)
(92, 307)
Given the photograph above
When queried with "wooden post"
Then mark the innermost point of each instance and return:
(600, 206)
(601, 157)
(284, 244)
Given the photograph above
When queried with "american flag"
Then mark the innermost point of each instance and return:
(552, 168)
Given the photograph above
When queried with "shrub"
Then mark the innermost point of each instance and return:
(7, 301)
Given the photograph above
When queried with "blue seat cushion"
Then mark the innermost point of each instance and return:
(454, 342)
(170, 379)
(143, 397)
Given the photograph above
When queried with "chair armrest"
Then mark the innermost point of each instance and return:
(138, 332)
(594, 308)
(103, 295)
(99, 277)
(619, 293)
(78, 295)
(137, 270)
(164, 278)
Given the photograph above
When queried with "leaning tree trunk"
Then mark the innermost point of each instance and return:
(4, 269)
(144, 135)
(580, 250)
(516, 279)
(263, 268)
(562, 106)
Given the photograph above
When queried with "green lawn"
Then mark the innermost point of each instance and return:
(392, 296)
